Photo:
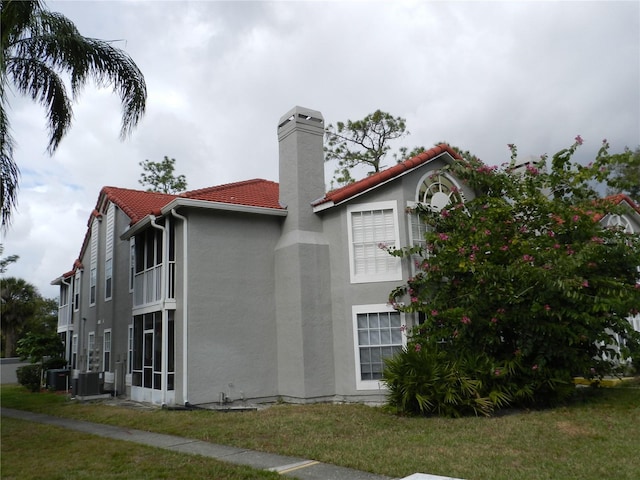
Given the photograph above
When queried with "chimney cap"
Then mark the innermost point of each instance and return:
(302, 115)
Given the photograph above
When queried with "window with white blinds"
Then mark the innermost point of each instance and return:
(417, 230)
(371, 228)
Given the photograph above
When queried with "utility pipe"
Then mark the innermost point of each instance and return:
(185, 296)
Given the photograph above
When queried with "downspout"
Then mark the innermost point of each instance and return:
(185, 316)
(165, 319)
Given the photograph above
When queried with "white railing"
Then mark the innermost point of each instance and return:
(147, 285)
(64, 319)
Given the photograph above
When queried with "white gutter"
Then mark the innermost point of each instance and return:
(185, 315)
(193, 203)
(165, 317)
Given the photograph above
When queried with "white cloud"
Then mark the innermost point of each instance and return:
(220, 75)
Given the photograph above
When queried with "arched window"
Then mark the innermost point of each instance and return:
(621, 222)
(437, 190)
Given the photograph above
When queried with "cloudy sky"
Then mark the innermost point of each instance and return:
(479, 75)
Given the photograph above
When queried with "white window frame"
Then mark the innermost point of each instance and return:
(76, 291)
(392, 274)
(93, 278)
(373, 308)
(130, 350)
(106, 349)
(108, 279)
(74, 351)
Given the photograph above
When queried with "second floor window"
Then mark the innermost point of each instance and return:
(92, 286)
(372, 228)
(108, 274)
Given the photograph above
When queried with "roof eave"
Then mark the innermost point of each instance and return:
(330, 203)
(206, 204)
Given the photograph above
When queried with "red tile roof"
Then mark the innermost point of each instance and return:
(348, 191)
(137, 204)
(254, 193)
(621, 197)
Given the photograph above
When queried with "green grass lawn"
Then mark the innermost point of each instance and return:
(33, 451)
(596, 437)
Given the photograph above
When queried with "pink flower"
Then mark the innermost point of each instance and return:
(466, 320)
(418, 347)
(527, 258)
(597, 240)
(443, 236)
(579, 140)
(497, 372)
(585, 284)
(556, 246)
(575, 218)
(547, 307)
(551, 233)
(472, 257)
(445, 213)
(535, 367)
(414, 299)
(494, 320)
(487, 232)
(434, 313)
(504, 248)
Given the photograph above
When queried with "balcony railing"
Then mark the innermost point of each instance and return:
(147, 285)
(64, 318)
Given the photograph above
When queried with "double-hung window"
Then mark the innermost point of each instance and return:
(106, 351)
(372, 228)
(379, 333)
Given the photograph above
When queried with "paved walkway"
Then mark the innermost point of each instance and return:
(289, 466)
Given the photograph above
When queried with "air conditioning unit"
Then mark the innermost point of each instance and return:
(90, 383)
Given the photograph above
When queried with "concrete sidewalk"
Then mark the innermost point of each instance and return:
(290, 466)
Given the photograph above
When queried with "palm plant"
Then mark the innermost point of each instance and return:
(37, 46)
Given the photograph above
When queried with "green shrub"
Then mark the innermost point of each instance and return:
(30, 377)
(54, 363)
(428, 380)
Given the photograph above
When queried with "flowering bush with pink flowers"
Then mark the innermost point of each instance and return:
(524, 282)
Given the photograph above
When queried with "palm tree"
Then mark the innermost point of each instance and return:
(19, 302)
(37, 47)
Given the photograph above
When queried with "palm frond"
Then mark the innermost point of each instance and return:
(37, 48)
(9, 173)
(37, 80)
